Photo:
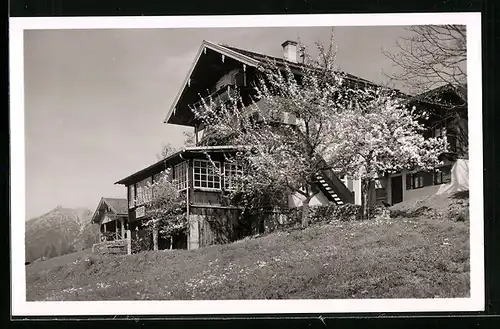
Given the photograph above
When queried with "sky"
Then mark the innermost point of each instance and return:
(95, 100)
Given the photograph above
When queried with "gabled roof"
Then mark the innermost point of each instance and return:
(118, 207)
(282, 62)
(246, 57)
(435, 96)
(215, 47)
(461, 89)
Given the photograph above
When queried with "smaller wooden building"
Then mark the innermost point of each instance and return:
(111, 215)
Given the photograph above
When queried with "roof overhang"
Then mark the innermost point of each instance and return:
(257, 61)
(217, 48)
(177, 157)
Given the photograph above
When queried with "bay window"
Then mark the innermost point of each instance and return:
(205, 175)
(442, 175)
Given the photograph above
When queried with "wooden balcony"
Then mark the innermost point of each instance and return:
(218, 97)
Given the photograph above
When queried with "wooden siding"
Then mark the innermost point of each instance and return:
(216, 226)
(201, 197)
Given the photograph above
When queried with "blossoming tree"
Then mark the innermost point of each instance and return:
(285, 153)
(302, 122)
(165, 208)
(376, 134)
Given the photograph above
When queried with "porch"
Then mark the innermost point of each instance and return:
(113, 228)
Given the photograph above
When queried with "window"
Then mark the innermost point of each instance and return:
(205, 175)
(144, 192)
(418, 180)
(439, 132)
(442, 175)
(180, 177)
(131, 196)
(228, 79)
(231, 172)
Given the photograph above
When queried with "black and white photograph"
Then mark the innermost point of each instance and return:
(318, 163)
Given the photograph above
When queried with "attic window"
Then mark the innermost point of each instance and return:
(232, 78)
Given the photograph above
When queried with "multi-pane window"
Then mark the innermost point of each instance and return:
(440, 131)
(418, 180)
(205, 175)
(144, 191)
(180, 177)
(231, 173)
(131, 196)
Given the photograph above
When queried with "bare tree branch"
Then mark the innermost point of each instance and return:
(430, 57)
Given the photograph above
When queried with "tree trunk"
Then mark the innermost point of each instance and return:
(305, 211)
(155, 237)
(365, 199)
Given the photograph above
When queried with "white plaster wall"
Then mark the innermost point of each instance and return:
(295, 200)
(354, 185)
(420, 192)
(410, 194)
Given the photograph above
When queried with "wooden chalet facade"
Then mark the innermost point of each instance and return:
(217, 71)
(220, 68)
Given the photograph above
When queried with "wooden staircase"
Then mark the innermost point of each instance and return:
(330, 192)
(333, 188)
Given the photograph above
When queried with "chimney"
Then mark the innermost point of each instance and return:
(290, 50)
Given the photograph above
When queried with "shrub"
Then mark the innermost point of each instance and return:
(458, 215)
(282, 219)
(345, 212)
(142, 243)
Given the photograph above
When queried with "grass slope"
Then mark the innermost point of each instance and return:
(416, 257)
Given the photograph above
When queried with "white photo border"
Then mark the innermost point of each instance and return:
(19, 305)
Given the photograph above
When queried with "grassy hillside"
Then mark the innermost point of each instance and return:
(55, 262)
(419, 256)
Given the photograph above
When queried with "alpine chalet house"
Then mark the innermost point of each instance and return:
(216, 72)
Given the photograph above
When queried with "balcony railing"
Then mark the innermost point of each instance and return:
(219, 97)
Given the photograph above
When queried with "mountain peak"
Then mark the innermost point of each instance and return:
(57, 232)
